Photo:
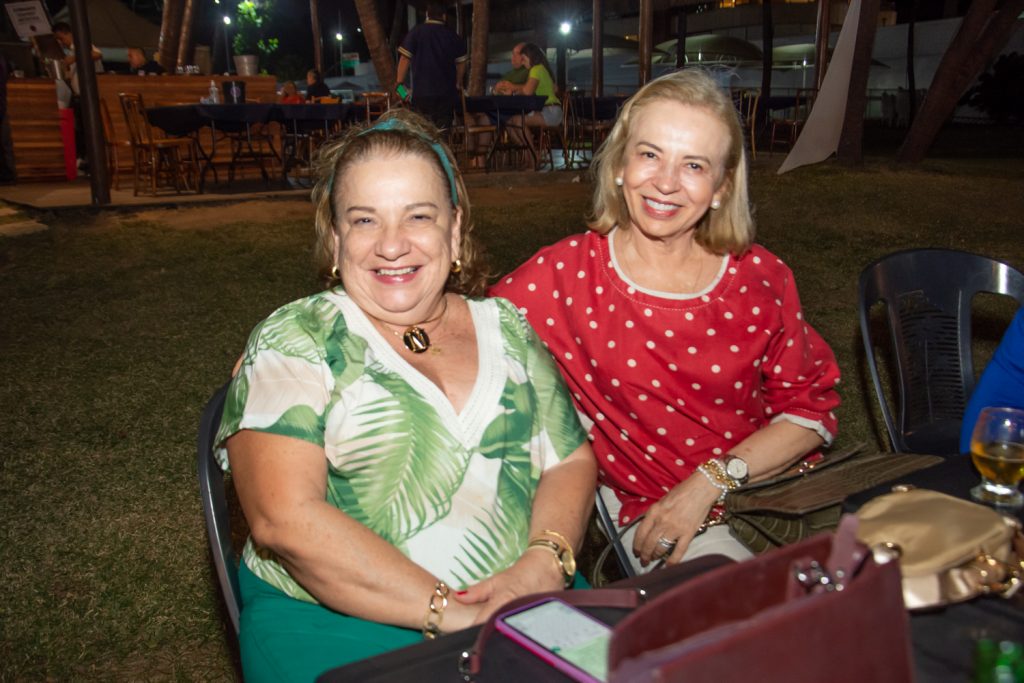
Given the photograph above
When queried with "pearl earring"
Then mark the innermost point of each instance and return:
(619, 181)
(716, 205)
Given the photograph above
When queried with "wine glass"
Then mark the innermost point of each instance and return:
(997, 450)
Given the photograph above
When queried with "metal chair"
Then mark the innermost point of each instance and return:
(928, 295)
(608, 528)
(215, 506)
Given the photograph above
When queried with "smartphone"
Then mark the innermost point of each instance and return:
(402, 92)
(565, 637)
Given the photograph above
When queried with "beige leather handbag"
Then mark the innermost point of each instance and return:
(949, 549)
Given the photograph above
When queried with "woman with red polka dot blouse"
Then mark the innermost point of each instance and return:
(683, 343)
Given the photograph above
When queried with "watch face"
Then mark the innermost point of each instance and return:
(736, 468)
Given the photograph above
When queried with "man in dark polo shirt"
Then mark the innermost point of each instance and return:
(437, 56)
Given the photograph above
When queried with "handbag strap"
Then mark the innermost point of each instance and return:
(625, 598)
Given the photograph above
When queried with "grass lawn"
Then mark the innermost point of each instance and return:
(117, 327)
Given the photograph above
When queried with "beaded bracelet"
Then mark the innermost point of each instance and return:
(435, 613)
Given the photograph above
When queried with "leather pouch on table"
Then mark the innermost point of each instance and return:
(807, 499)
(949, 549)
(778, 617)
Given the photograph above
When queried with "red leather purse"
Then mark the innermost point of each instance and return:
(819, 610)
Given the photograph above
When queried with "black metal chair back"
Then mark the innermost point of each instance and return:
(215, 506)
(928, 295)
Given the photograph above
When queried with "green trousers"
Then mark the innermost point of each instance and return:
(284, 639)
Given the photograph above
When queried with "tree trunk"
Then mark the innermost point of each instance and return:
(851, 140)
(982, 35)
(170, 33)
(318, 48)
(376, 42)
(478, 47)
(597, 58)
(767, 45)
(911, 75)
(399, 24)
(185, 40)
(646, 40)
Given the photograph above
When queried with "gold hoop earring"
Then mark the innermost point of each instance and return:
(456, 266)
(336, 272)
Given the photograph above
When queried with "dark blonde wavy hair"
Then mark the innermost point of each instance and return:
(409, 133)
(728, 229)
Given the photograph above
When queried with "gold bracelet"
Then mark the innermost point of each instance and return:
(563, 556)
(560, 537)
(435, 614)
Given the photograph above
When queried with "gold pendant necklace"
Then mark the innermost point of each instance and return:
(415, 338)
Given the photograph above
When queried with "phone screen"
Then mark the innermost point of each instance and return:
(566, 633)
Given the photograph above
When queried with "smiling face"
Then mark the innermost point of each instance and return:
(673, 166)
(396, 237)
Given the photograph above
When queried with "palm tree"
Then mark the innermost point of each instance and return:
(376, 42)
(170, 33)
(478, 48)
(986, 28)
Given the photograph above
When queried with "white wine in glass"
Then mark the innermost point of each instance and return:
(997, 450)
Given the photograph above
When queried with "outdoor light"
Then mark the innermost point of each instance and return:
(338, 37)
(227, 21)
(564, 28)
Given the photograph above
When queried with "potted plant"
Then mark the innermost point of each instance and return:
(250, 41)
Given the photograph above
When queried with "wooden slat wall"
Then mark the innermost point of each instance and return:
(35, 129)
(35, 121)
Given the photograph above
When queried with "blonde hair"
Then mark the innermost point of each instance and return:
(400, 131)
(727, 229)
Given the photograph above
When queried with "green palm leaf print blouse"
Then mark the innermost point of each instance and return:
(452, 491)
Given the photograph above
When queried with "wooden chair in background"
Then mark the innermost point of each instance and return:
(475, 140)
(747, 102)
(168, 162)
(376, 103)
(114, 147)
(787, 128)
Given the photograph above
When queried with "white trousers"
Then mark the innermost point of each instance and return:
(715, 541)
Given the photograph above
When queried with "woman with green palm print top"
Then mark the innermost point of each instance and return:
(392, 438)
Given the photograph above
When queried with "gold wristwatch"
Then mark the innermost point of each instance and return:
(564, 556)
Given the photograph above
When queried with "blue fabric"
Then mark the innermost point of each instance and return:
(1002, 383)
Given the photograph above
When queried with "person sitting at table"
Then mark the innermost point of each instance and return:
(683, 341)
(539, 83)
(405, 452)
(290, 94)
(518, 75)
(315, 86)
(138, 64)
(1002, 383)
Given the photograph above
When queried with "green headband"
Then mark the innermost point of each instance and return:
(396, 124)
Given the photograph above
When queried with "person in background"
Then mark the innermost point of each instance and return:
(62, 33)
(1002, 383)
(290, 94)
(683, 341)
(315, 86)
(138, 63)
(404, 450)
(539, 83)
(517, 76)
(436, 57)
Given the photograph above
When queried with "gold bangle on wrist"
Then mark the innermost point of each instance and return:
(563, 556)
(560, 537)
(435, 612)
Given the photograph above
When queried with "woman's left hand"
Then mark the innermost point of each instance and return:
(534, 572)
(676, 517)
